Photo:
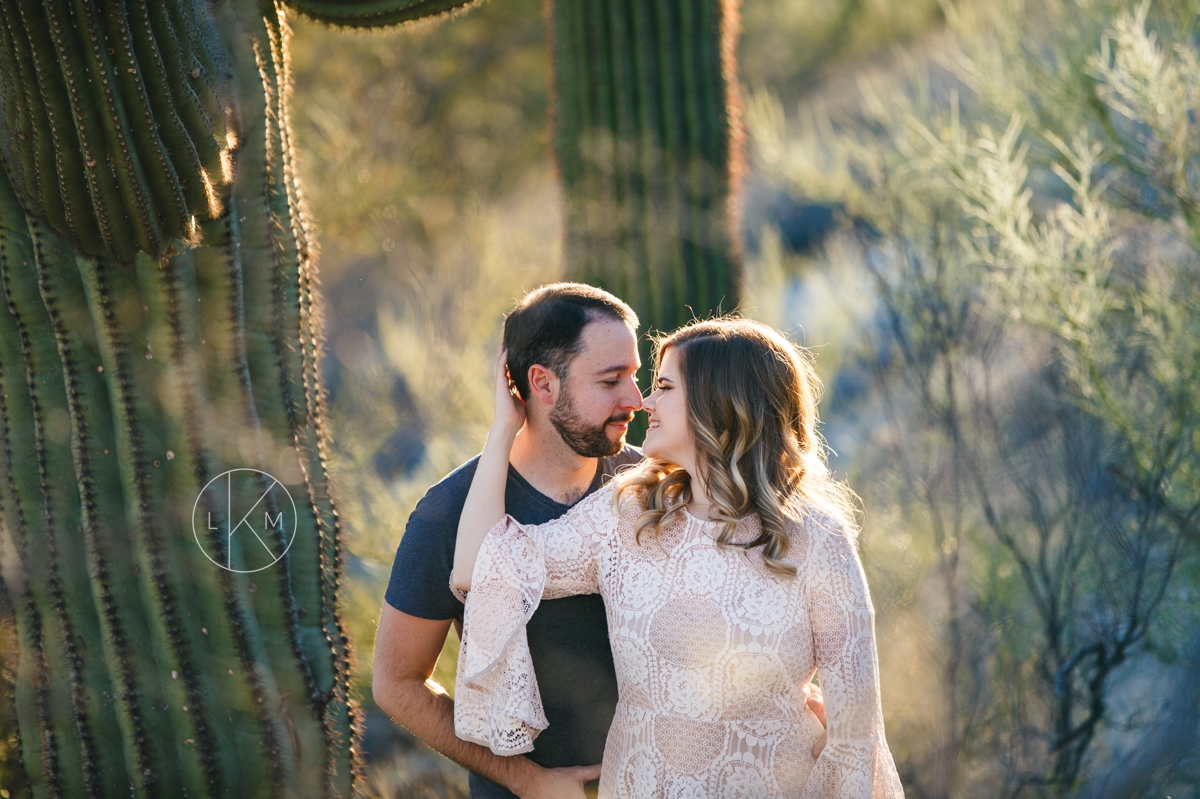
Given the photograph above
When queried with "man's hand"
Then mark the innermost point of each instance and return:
(816, 703)
(561, 783)
(406, 651)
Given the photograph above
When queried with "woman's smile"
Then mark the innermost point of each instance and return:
(668, 436)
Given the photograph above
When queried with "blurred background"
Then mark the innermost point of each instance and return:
(984, 220)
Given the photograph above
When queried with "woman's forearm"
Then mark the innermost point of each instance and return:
(485, 504)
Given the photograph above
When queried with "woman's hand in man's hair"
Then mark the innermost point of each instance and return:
(510, 408)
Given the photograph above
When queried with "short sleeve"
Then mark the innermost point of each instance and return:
(856, 762)
(425, 555)
(496, 699)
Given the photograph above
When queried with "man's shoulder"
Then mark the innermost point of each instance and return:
(420, 581)
(447, 496)
(627, 456)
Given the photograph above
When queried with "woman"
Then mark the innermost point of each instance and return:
(727, 564)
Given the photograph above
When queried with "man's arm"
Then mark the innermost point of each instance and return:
(406, 652)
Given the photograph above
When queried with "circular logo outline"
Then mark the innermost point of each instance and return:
(295, 519)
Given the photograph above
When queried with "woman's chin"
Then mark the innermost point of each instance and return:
(650, 450)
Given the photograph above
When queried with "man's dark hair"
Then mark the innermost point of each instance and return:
(546, 325)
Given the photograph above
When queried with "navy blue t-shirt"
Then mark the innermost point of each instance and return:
(568, 637)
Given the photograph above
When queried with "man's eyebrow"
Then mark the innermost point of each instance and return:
(622, 367)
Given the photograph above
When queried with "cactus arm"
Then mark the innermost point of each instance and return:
(132, 98)
(120, 141)
(106, 198)
(19, 143)
(208, 69)
(564, 31)
(312, 430)
(180, 149)
(199, 99)
(723, 146)
(48, 94)
(375, 13)
(163, 183)
(271, 254)
(630, 189)
(292, 314)
(276, 262)
(647, 142)
(248, 268)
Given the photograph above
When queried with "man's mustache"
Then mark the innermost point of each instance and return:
(626, 419)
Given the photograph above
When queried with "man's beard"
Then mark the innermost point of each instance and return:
(590, 441)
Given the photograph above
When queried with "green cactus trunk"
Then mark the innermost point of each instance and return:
(159, 327)
(647, 138)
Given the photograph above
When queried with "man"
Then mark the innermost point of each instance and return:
(572, 354)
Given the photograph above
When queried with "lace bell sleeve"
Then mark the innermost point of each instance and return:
(856, 762)
(496, 699)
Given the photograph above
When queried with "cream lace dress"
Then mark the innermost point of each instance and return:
(711, 653)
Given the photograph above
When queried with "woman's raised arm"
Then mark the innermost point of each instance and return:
(485, 501)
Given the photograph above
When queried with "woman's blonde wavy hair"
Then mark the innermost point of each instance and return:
(752, 408)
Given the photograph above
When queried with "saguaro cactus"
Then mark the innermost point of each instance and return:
(648, 145)
(159, 327)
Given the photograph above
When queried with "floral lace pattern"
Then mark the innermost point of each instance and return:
(711, 650)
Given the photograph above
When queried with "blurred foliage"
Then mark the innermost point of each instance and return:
(796, 47)
(13, 783)
(421, 774)
(1015, 400)
(401, 130)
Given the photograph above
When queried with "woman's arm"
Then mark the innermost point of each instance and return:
(855, 755)
(485, 501)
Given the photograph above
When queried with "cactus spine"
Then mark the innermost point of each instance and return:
(158, 326)
(648, 146)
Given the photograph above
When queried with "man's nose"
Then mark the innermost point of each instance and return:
(634, 400)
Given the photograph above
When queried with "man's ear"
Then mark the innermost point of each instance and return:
(543, 384)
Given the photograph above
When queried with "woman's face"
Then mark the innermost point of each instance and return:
(669, 436)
